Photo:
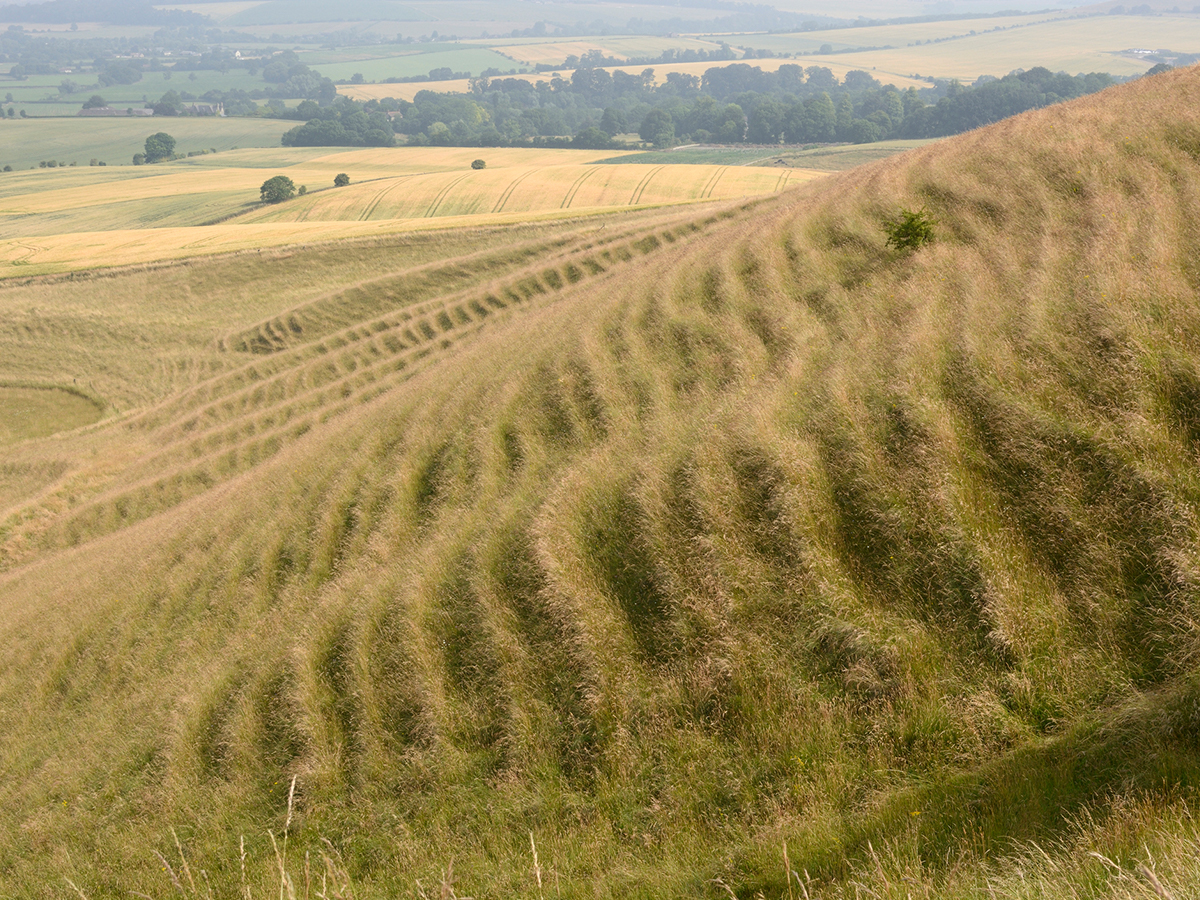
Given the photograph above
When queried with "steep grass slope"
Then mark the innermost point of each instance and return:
(657, 560)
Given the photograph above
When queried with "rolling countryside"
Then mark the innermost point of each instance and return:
(571, 528)
(58, 220)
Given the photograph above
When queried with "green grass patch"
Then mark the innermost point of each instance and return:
(472, 60)
(693, 156)
(34, 412)
(827, 159)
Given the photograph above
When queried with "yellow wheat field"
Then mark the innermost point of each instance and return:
(531, 189)
(130, 216)
(44, 191)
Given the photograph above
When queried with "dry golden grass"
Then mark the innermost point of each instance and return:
(651, 549)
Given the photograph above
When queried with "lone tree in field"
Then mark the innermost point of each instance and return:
(341, 179)
(159, 146)
(478, 164)
(913, 229)
(278, 189)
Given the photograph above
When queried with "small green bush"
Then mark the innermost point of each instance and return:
(913, 229)
(341, 179)
(478, 164)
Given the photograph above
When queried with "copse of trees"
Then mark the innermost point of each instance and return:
(119, 72)
(293, 78)
(962, 108)
(738, 103)
(342, 124)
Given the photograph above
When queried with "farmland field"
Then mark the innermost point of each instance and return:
(554, 51)
(897, 35)
(26, 142)
(528, 189)
(824, 159)
(1085, 44)
(54, 220)
(472, 60)
(39, 95)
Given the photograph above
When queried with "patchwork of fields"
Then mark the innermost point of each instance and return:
(968, 49)
(25, 142)
(54, 220)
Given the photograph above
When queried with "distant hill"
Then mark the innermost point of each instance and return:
(679, 553)
(114, 12)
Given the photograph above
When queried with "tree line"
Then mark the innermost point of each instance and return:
(732, 104)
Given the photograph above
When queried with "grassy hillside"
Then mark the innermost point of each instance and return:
(663, 559)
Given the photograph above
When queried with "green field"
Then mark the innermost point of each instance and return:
(27, 413)
(472, 60)
(720, 552)
(25, 143)
(824, 159)
(39, 95)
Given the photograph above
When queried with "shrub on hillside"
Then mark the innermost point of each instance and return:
(478, 164)
(341, 179)
(913, 229)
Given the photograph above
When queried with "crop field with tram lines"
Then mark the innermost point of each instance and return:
(53, 220)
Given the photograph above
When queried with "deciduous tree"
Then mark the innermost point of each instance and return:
(159, 146)
(278, 189)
